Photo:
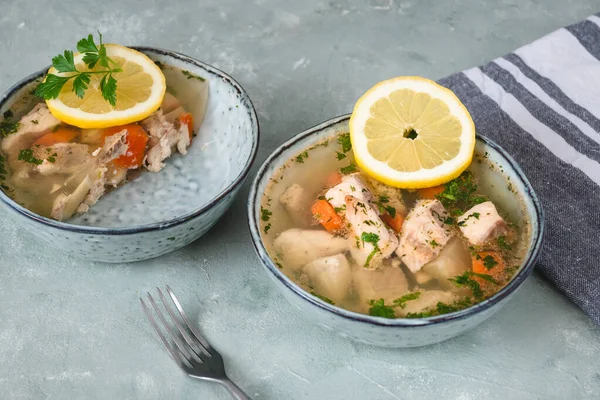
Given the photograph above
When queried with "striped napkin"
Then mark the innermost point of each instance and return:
(542, 104)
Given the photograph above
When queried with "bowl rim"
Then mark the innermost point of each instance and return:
(505, 292)
(125, 230)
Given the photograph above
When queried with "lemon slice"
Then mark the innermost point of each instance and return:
(410, 132)
(140, 90)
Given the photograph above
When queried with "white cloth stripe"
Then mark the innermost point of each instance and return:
(594, 19)
(540, 132)
(538, 92)
(561, 58)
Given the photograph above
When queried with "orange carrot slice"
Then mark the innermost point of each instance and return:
(188, 119)
(488, 263)
(326, 215)
(430, 193)
(61, 135)
(393, 222)
(136, 145)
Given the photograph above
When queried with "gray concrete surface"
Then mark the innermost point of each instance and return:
(70, 329)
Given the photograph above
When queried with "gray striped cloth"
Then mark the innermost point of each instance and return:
(542, 104)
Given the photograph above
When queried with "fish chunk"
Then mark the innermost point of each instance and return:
(330, 276)
(423, 234)
(165, 137)
(427, 301)
(453, 260)
(374, 284)
(68, 158)
(393, 196)
(482, 223)
(298, 247)
(33, 125)
(351, 185)
(366, 224)
(297, 203)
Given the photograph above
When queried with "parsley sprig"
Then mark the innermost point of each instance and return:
(65, 64)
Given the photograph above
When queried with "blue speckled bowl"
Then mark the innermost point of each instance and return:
(401, 332)
(158, 212)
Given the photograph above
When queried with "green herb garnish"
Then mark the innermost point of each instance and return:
(349, 169)
(340, 156)
(27, 156)
(65, 65)
(489, 262)
(465, 280)
(379, 309)
(372, 238)
(192, 76)
(502, 243)
(8, 127)
(301, 157)
(460, 192)
(401, 302)
(325, 299)
(391, 210)
(344, 141)
(265, 214)
(267, 227)
(8, 114)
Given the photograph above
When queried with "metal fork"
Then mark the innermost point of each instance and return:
(193, 354)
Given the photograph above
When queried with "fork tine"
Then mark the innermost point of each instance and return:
(190, 326)
(172, 352)
(178, 343)
(195, 345)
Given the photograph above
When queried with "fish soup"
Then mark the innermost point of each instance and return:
(57, 170)
(371, 248)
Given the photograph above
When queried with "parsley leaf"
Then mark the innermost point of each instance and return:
(379, 309)
(349, 169)
(340, 156)
(502, 243)
(344, 140)
(401, 302)
(109, 89)
(465, 280)
(489, 262)
(265, 214)
(27, 156)
(8, 127)
(64, 62)
(391, 210)
(189, 75)
(301, 157)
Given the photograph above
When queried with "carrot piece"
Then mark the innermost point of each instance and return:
(188, 119)
(393, 222)
(61, 135)
(334, 179)
(430, 193)
(488, 263)
(136, 145)
(326, 215)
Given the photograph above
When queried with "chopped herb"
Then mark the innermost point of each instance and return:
(457, 212)
(489, 262)
(267, 227)
(172, 238)
(391, 210)
(265, 214)
(502, 243)
(192, 76)
(401, 302)
(8, 114)
(475, 215)
(352, 188)
(279, 265)
(34, 121)
(321, 198)
(443, 308)
(511, 270)
(486, 277)
(434, 244)
(465, 280)
(55, 129)
(325, 299)
(344, 140)
(369, 222)
(449, 221)
(372, 238)
(339, 209)
(384, 199)
(27, 156)
(301, 157)
(8, 127)
(340, 156)
(379, 309)
(460, 192)
(349, 169)
(51, 159)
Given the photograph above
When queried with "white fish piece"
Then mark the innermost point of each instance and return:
(165, 137)
(392, 195)
(330, 276)
(32, 126)
(351, 185)
(482, 223)
(423, 234)
(364, 220)
(297, 247)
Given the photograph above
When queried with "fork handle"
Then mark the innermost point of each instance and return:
(234, 390)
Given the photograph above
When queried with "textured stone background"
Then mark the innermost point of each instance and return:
(70, 329)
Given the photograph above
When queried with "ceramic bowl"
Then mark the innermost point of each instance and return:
(521, 202)
(158, 212)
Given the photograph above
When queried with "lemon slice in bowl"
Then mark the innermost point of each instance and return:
(140, 89)
(410, 132)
